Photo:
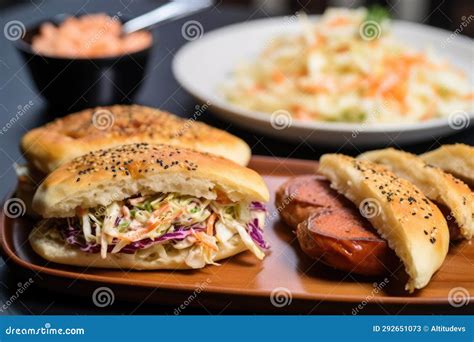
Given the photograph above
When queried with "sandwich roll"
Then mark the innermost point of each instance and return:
(436, 184)
(142, 206)
(457, 159)
(411, 224)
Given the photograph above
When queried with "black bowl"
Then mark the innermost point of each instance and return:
(79, 83)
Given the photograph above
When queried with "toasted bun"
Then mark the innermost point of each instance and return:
(52, 145)
(412, 225)
(437, 185)
(48, 243)
(105, 176)
(457, 159)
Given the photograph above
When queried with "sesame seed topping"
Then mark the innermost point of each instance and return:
(117, 161)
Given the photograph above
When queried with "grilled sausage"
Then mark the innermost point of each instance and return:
(331, 229)
(344, 240)
(300, 196)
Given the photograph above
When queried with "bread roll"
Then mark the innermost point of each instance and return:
(46, 240)
(105, 176)
(435, 184)
(412, 225)
(457, 159)
(55, 143)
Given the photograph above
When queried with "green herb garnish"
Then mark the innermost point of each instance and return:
(377, 13)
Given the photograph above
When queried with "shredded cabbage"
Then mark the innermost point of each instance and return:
(170, 220)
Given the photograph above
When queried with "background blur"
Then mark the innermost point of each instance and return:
(447, 14)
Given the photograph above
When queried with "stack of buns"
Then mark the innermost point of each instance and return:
(47, 147)
(367, 214)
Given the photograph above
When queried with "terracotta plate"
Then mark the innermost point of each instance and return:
(285, 273)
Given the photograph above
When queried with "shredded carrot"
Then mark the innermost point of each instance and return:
(278, 76)
(222, 198)
(139, 234)
(470, 96)
(152, 226)
(256, 88)
(203, 238)
(210, 224)
(313, 88)
(339, 21)
(301, 114)
(319, 40)
(343, 48)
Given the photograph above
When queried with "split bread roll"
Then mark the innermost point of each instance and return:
(144, 206)
(55, 143)
(436, 184)
(411, 224)
(457, 159)
(49, 244)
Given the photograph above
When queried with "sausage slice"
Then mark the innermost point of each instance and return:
(300, 196)
(344, 240)
(330, 228)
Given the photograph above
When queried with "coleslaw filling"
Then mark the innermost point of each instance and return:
(170, 220)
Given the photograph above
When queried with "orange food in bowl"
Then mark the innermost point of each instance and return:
(88, 36)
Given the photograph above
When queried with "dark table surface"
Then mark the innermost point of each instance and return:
(160, 89)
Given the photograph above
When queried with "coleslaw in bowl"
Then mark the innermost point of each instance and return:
(348, 67)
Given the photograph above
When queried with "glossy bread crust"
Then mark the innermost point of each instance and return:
(104, 176)
(436, 184)
(49, 146)
(457, 159)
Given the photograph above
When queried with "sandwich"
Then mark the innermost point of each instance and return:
(452, 195)
(145, 206)
(457, 159)
(413, 226)
(47, 147)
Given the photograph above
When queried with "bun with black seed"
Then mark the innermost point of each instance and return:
(411, 224)
(143, 206)
(436, 184)
(49, 146)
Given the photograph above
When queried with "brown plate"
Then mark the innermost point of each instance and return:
(286, 272)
